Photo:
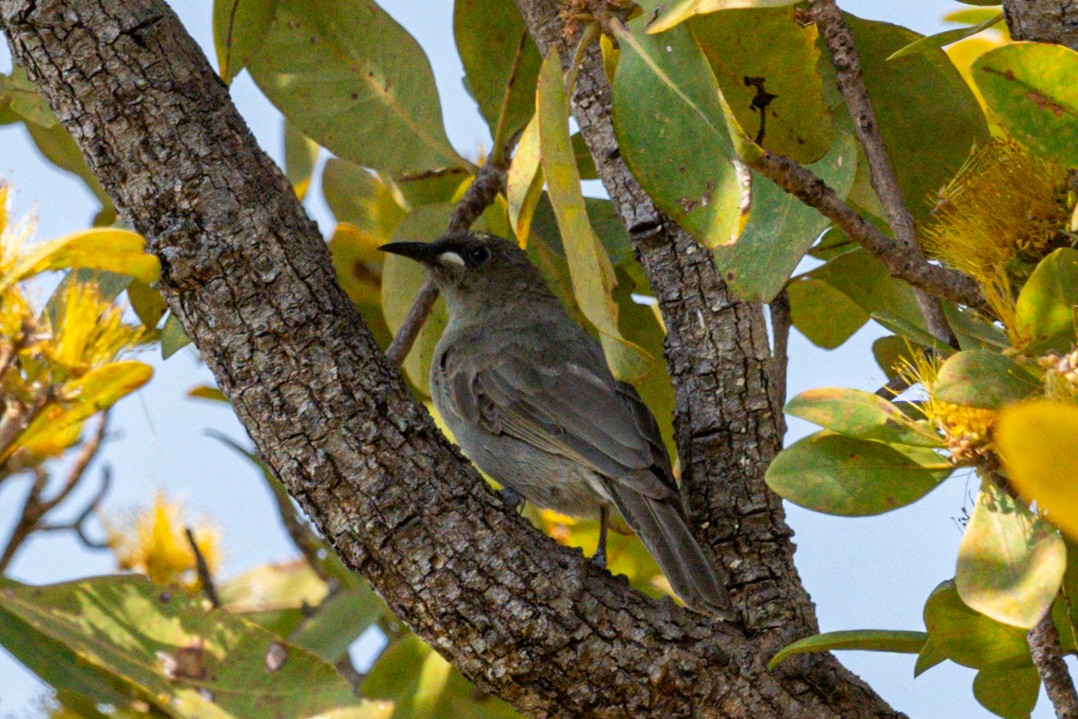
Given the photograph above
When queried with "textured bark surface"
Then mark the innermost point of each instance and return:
(249, 276)
(1043, 20)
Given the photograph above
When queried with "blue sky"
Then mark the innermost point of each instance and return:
(862, 573)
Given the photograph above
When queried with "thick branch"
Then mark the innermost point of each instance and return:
(1043, 20)
(248, 275)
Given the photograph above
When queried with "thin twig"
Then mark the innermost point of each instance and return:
(347, 669)
(851, 84)
(87, 453)
(1048, 658)
(903, 262)
(479, 195)
(781, 322)
(497, 154)
(203, 569)
(78, 524)
(29, 517)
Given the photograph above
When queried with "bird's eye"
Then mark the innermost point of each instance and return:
(477, 256)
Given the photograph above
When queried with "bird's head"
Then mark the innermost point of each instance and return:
(474, 267)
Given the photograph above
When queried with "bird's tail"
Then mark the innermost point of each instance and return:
(661, 525)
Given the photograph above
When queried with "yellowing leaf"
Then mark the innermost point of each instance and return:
(524, 184)
(358, 262)
(113, 250)
(589, 265)
(1036, 441)
(684, 9)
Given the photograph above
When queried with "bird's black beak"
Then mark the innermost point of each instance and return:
(424, 252)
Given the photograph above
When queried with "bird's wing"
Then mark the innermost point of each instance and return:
(560, 403)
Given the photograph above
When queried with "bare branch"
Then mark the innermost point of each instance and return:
(78, 524)
(86, 455)
(902, 261)
(1048, 658)
(851, 83)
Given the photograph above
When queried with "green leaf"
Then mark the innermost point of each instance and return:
(239, 27)
(1009, 693)
(830, 473)
(1010, 562)
(585, 163)
(771, 44)
(173, 338)
(1045, 309)
(781, 228)
(176, 655)
(1032, 89)
(826, 316)
(300, 156)
(359, 197)
(934, 42)
(401, 280)
(972, 330)
(272, 587)
(855, 413)
(890, 351)
(433, 187)
(592, 273)
(983, 378)
(207, 392)
(489, 34)
(682, 10)
(870, 640)
(423, 685)
(363, 90)
(25, 100)
(912, 331)
(147, 303)
(928, 658)
(863, 279)
(59, 148)
(969, 637)
(928, 116)
(338, 622)
(671, 131)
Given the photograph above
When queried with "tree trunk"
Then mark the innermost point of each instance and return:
(248, 274)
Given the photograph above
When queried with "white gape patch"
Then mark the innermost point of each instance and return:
(451, 258)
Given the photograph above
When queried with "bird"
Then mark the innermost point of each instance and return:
(530, 400)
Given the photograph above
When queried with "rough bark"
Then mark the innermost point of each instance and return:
(1043, 20)
(247, 273)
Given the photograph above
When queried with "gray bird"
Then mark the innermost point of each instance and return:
(529, 398)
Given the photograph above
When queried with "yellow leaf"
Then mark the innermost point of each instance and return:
(524, 185)
(1036, 441)
(590, 269)
(358, 263)
(105, 248)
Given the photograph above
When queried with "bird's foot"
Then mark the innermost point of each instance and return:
(598, 560)
(513, 499)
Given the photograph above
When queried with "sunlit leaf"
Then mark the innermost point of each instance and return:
(202, 664)
(363, 90)
(672, 132)
(1036, 444)
(871, 640)
(830, 473)
(682, 10)
(524, 183)
(113, 250)
(239, 26)
(338, 622)
(983, 378)
(358, 262)
(1008, 693)
(589, 265)
(1032, 88)
(208, 393)
(969, 637)
(855, 413)
(927, 658)
(359, 197)
(1010, 562)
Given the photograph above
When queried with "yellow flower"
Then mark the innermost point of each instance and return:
(1003, 211)
(155, 544)
(89, 332)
